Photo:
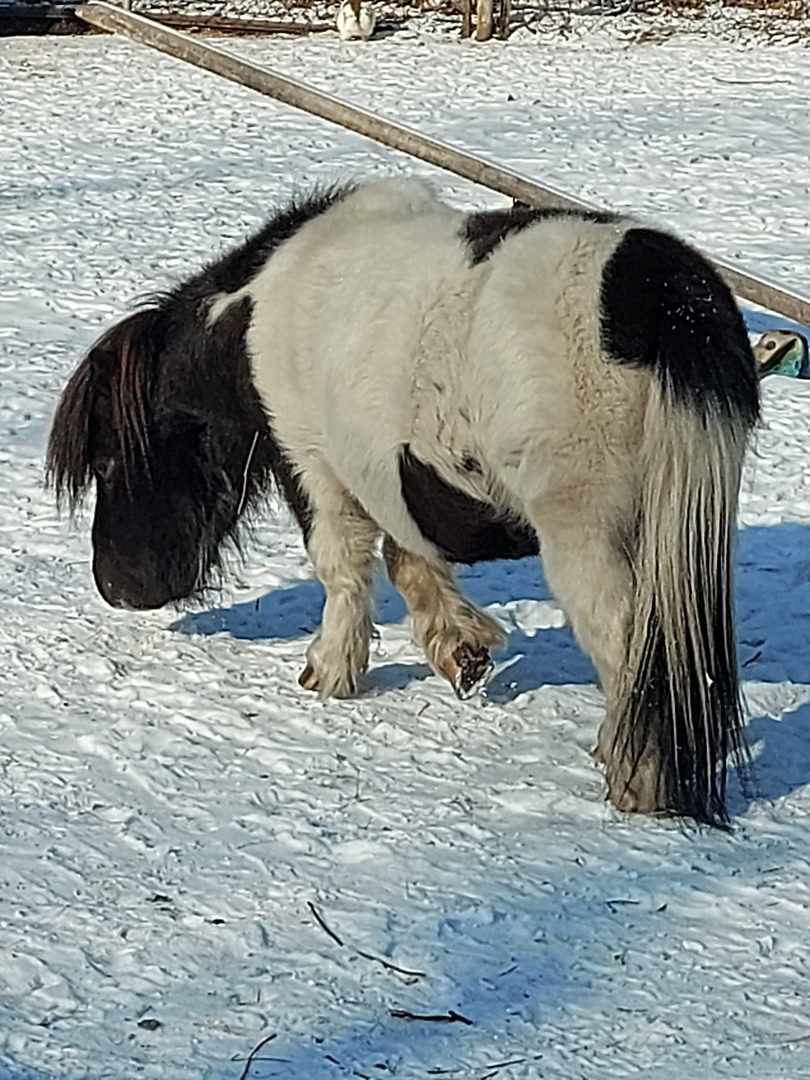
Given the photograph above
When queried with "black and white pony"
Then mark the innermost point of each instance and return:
(459, 386)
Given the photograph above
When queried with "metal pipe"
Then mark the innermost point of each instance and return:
(145, 31)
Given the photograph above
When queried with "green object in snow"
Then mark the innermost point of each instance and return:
(783, 352)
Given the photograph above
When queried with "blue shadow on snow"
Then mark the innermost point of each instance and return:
(547, 657)
(773, 633)
(773, 624)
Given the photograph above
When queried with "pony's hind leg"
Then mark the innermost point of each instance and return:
(588, 568)
(455, 635)
(342, 546)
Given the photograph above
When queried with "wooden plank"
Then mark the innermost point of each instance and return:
(224, 24)
(20, 10)
(293, 92)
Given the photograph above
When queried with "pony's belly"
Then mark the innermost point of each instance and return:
(464, 527)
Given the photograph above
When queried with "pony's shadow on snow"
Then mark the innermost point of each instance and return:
(773, 603)
(773, 622)
(773, 627)
(283, 614)
(780, 748)
(541, 657)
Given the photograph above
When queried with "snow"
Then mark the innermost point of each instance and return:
(176, 810)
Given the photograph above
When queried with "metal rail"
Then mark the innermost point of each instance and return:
(293, 92)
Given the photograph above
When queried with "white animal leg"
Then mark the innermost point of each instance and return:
(456, 635)
(589, 571)
(342, 547)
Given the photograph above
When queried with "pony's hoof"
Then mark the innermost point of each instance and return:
(640, 794)
(308, 679)
(626, 801)
(340, 687)
(466, 668)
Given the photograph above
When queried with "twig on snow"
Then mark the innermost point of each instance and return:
(252, 1055)
(789, 1039)
(391, 967)
(618, 901)
(323, 924)
(387, 964)
(450, 1017)
(492, 1070)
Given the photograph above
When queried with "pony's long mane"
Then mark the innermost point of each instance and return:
(68, 462)
(111, 385)
(130, 386)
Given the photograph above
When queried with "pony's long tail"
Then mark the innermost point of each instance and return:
(678, 712)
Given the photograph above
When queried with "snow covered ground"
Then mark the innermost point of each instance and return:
(180, 823)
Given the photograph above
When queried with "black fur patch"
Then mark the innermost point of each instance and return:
(483, 232)
(210, 379)
(465, 530)
(690, 785)
(664, 307)
(227, 348)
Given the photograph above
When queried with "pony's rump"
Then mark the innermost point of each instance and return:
(664, 307)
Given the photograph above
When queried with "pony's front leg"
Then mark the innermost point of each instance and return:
(456, 636)
(342, 546)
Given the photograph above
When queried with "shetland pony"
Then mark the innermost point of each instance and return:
(461, 387)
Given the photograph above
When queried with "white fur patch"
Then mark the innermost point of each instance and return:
(371, 330)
